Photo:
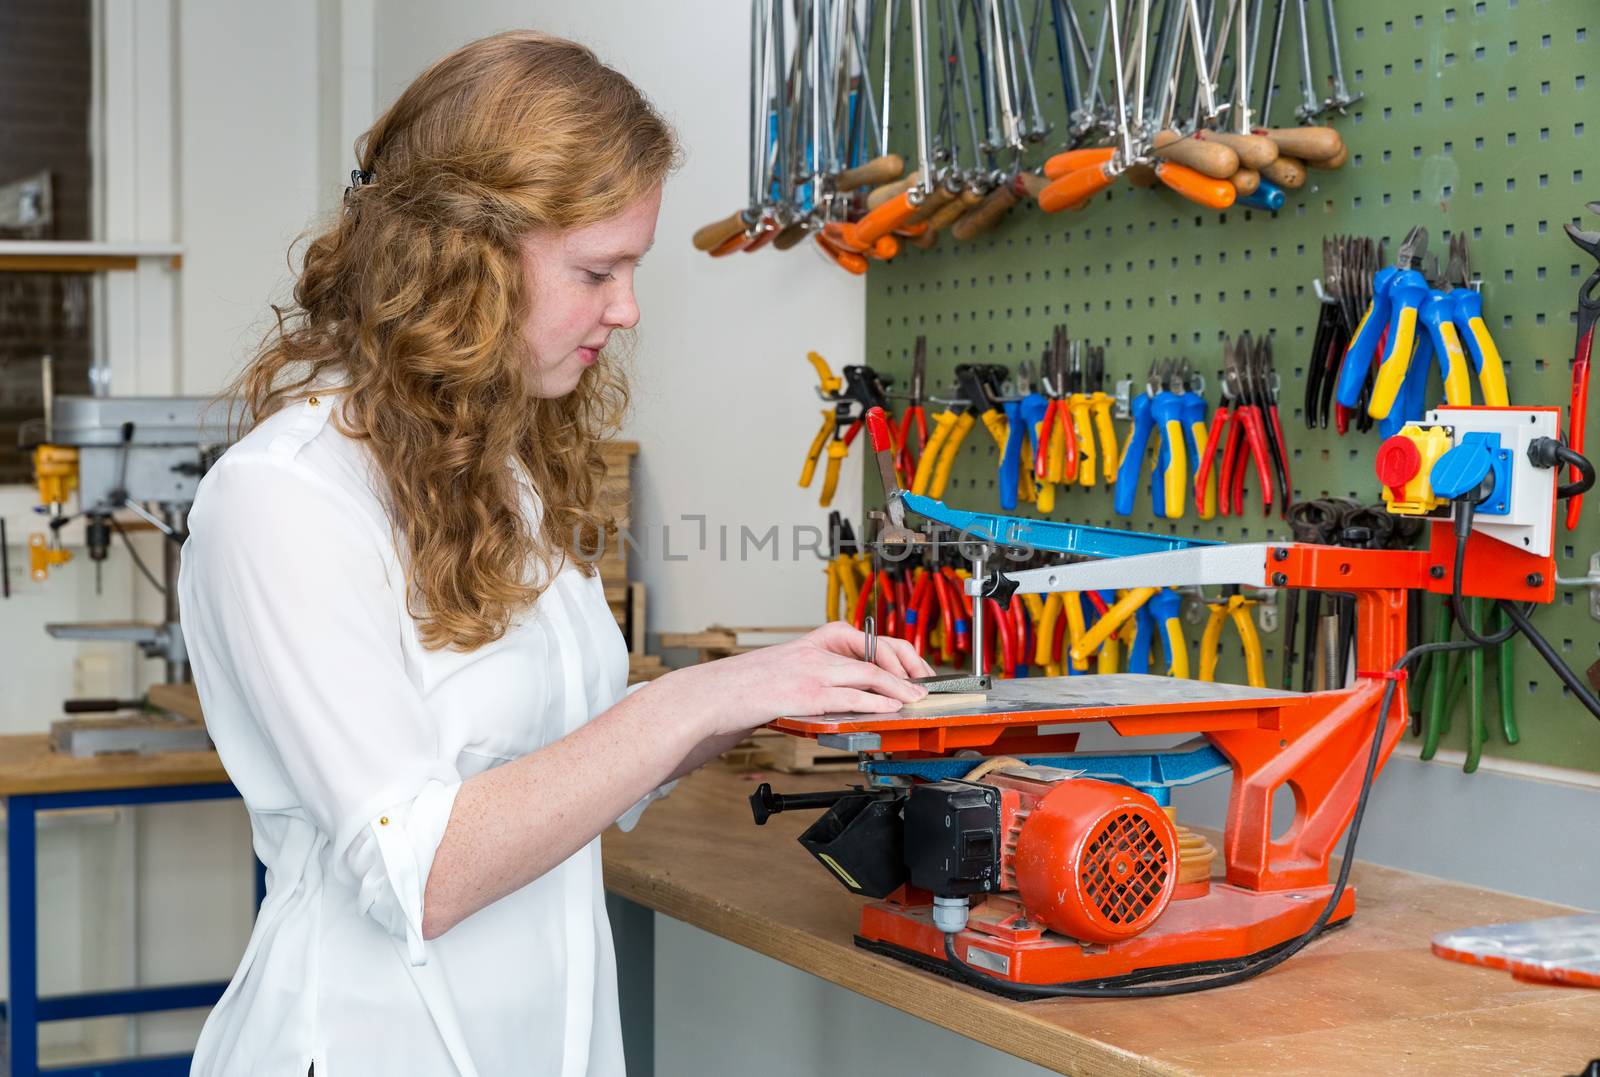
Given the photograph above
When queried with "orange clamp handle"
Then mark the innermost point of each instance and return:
(881, 221)
(1195, 186)
(1072, 160)
(849, 261)
(1077, 186)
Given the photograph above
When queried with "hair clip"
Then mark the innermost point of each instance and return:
(359, 178)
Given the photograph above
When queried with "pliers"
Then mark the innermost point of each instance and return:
(951, 426)
(1100, 404)
(1136, 447)
(842, 588)
(1234, 606)
(1056, 443)
(1588, 313)
(1195, 439)
(1382, 316)
(1262, 384)
(1245, 438)
(1470, 327)
(1157, 612)
(1171, 473)
(914, 418)
(1083, 468)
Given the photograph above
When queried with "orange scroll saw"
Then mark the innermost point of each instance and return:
(996, 853)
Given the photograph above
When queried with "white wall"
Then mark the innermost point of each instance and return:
(723, 395)
(256, 148)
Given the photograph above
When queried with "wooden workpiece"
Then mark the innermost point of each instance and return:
(1368, 998)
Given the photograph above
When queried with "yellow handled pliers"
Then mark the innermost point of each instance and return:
(1233, 606)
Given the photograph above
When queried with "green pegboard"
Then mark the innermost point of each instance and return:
(1475, 118)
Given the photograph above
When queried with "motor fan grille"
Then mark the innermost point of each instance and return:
(1124, 870)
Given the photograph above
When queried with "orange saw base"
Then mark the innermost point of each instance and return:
(1225, 924)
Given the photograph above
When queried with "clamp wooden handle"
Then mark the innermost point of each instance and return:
(1245, 181)
(1204, 156)
(931, 203)
(1255, 151)
(949, 213)
(1030, 184)
(987, 214)
(885, 169)
(1307, 143)
(790, 236)
(711, 236)
(879, 195)
(1336, 161)
(1287, 172)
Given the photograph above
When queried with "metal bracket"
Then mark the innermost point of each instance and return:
(1591, 581)
(851, 742)
(1267, 609)
(1123, 408)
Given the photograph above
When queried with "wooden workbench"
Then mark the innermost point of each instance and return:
(1366, 999)
(29, 767)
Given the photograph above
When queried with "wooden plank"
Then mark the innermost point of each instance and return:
(803, 755)
(1366, 999)
(27, 765)
(67, 263)
(181, 699)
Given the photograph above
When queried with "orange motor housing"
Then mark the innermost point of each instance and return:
(1092, 860)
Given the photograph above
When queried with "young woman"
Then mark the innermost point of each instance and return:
(409, 671)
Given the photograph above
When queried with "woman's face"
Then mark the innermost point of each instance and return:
(580, 286)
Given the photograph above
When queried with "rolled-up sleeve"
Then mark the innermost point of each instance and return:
(286, 593)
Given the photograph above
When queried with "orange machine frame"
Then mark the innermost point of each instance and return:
(1315, 743)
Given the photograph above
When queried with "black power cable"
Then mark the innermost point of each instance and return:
(1260, 965)
(1548, 653)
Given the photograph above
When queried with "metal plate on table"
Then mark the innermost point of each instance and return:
(1029, 695)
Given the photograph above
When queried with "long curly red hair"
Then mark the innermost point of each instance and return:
(414, 301)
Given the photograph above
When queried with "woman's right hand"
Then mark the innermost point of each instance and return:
(821, 672)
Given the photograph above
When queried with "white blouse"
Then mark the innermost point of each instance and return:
(348, 741)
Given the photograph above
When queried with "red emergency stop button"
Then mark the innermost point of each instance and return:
(1398, 463)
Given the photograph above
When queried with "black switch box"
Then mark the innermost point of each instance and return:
(952, 837)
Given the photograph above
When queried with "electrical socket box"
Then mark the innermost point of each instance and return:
(1529, 520)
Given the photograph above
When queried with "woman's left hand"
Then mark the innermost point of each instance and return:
(896, 655)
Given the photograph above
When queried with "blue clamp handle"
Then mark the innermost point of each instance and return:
(1011, 459)
(1364, 345)
(1267, 196)
(1133, 453)
(1144, 628)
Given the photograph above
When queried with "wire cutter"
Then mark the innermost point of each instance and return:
(1235, 607)
(1082, 425)
(1033, 409)
(1056, 444)
(1588, 312)
(1383, 316)
(1245, 438)
(1470, 327)
(914, 418)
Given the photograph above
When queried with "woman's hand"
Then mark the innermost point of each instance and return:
(822, 672)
